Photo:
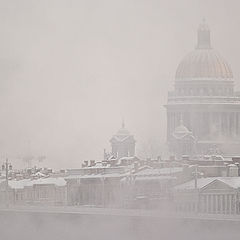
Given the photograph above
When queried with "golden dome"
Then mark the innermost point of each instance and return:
(204, 63)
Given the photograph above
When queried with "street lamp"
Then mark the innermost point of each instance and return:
(6, 166)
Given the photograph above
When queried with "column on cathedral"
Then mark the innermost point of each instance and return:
(220, 124)
(211, 115)
(199, 129)
(234, 125)
(227, 124)
(202, 123)
(168, 124)
(223, 124)
(231, 123)
(173, 122)
(199, 120)
(207, 125)
(225, 117)
(237, 123)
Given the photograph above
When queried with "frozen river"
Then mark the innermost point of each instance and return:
(101, 224)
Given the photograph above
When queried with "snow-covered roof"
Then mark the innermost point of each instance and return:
(94, 176)
(60, 181)
(159, 171)
(201, 182)
(154, 178)
(122, 135)
(20, 184)
(233, 182)
(128, 158)
(39, 174)
(232, 165)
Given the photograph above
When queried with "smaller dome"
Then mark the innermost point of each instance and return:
(123, 131)
(181, 129)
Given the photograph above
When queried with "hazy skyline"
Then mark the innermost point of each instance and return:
(71, 70)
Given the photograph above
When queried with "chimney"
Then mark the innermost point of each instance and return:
(92, 163)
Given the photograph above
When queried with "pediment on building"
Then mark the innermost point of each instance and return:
(216, 185)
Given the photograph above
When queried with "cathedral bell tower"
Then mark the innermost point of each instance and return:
(123, 143)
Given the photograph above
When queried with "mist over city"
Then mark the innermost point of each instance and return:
(119, 119)
(71, 71)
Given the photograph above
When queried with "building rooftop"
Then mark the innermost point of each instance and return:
(233, 182)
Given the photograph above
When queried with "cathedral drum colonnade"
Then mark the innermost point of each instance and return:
(204, 99)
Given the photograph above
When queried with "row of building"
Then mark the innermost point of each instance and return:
(211, 186)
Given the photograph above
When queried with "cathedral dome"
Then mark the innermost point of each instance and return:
(204, 63)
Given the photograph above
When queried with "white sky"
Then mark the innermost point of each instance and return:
(71, 70)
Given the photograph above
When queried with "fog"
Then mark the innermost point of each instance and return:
(90, 227)
(71, 70)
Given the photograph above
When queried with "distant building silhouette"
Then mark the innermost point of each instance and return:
(123, 143)
(205, 99)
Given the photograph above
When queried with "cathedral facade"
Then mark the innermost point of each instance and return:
(204, 101)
